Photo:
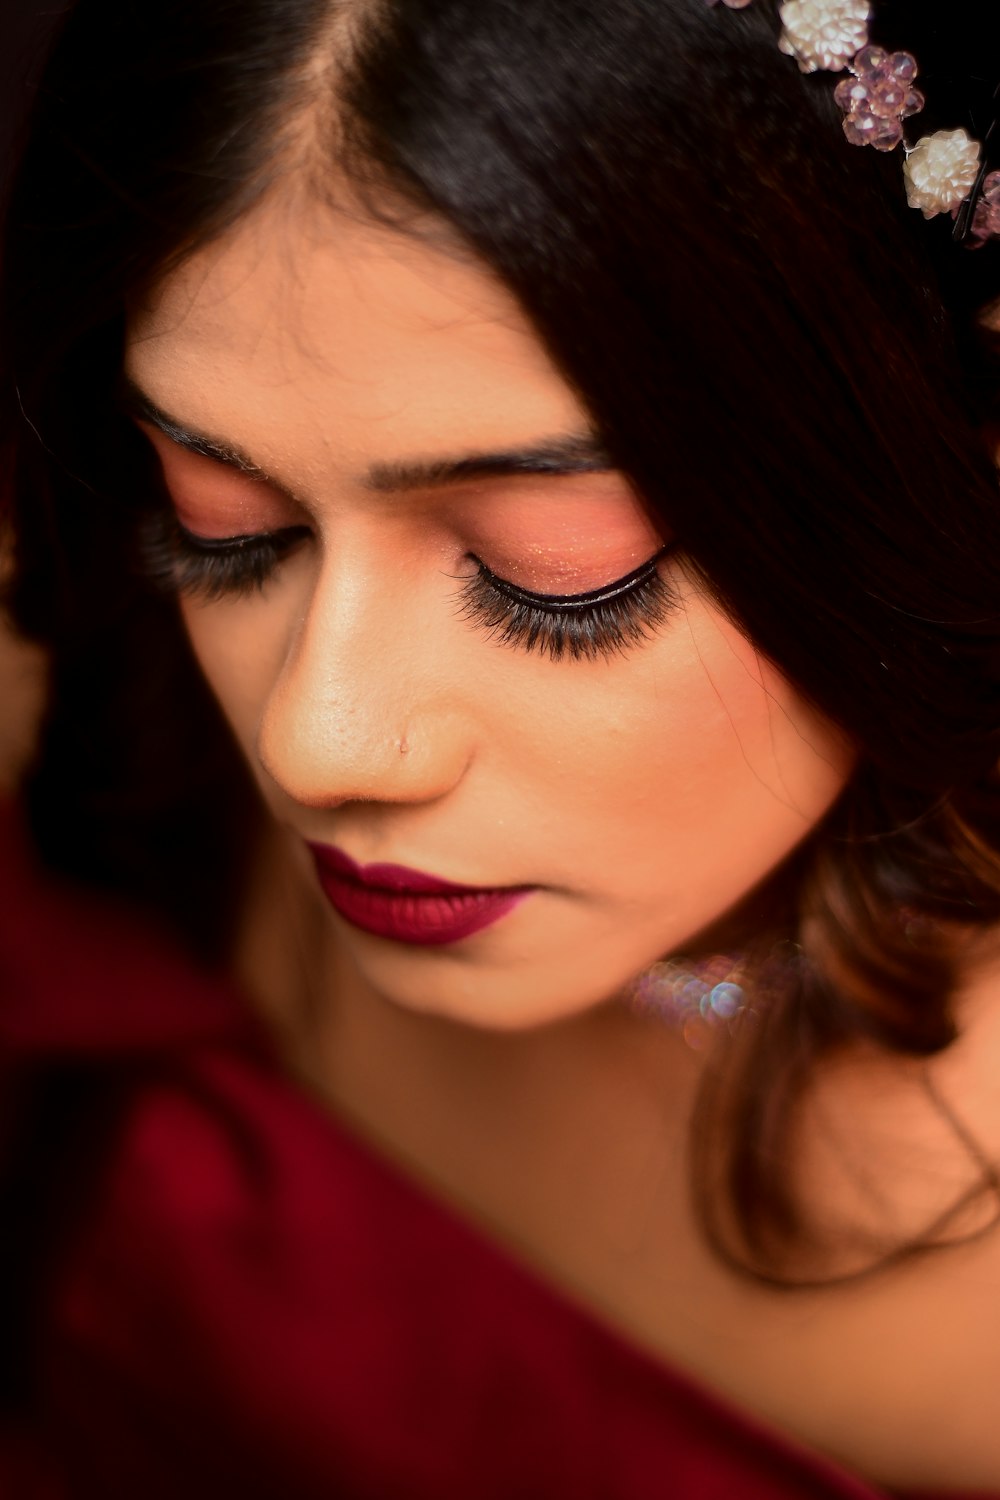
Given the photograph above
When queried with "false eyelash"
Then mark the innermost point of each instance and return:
(179, 562)
(601, 622)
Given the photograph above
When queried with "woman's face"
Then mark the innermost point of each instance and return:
(380, 605)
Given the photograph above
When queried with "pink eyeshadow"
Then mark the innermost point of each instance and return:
(588, 532)
(213, 501)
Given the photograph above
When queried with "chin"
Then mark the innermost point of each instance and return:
(493, 997)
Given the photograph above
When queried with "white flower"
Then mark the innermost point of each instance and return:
(940, 171)
(823, 33)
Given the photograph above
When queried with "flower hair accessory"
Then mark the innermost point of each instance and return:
(942, 172)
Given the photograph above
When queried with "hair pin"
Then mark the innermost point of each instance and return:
(943, 172)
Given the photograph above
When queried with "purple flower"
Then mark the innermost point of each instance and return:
(879, 97)
(986, 219)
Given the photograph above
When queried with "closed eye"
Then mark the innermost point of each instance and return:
(212, 568)
(605, 621)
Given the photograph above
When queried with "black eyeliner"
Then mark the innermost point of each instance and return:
(560, 602)
(603, 622)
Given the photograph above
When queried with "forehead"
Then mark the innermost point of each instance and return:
(310, 327)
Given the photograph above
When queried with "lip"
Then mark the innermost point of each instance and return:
(407, 906)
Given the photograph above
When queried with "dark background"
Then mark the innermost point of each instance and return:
(25, 26)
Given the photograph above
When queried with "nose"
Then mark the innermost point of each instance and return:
(364, 708)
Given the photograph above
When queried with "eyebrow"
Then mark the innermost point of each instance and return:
(576, 453)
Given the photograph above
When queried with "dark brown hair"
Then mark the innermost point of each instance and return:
(760, 329)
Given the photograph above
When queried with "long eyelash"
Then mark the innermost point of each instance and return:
(178, 562)
(603, 622)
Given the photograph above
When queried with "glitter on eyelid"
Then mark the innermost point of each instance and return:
(565, 536)
(581, 599)
(556, 569)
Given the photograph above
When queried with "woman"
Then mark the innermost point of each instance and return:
(536, 424)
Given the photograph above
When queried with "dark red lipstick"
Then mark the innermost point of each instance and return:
(407, 905)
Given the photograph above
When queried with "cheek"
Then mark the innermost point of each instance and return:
(682, 773)
(240, 648)
(694, 755)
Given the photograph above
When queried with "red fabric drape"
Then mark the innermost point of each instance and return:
(251, 1302)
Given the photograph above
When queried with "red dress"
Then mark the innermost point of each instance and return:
(240, 1299)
